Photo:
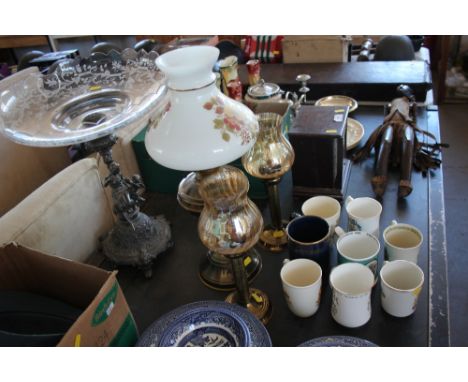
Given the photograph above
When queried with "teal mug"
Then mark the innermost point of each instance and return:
(358, 247)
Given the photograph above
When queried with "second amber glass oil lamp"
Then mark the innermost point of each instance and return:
(230, 225)
(269, 159)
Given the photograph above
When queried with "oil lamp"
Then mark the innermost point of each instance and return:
(230, 224)
(269, 159)
(202, 130)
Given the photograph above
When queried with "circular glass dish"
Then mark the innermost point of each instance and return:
(81, 99)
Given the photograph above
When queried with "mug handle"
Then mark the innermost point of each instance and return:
(295, 215)
(285, 261)
(348, 200)
(394, 222)
(373, 267)
(339, 231)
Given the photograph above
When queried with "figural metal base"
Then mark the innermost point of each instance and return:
(136, 239)
(216, 271)
(138, 243)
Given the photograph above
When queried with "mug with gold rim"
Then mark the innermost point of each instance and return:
(308, 238)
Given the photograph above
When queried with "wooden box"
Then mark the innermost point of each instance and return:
(318, 136)
(315, 49)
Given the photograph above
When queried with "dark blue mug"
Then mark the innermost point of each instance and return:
(308, 239)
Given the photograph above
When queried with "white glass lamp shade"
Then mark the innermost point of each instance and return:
(199, 128)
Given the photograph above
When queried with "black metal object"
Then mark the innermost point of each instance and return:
(394, 48)
(364, 81)
(136, 239)
(176, 281)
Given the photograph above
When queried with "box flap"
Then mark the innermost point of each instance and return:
(24, 269)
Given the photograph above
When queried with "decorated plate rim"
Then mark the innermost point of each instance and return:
(330, 341)
(357, 125)
(157, 328)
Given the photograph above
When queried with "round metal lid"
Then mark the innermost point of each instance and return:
(263, 90)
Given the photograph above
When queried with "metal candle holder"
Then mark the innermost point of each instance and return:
(303, 79)
(269, 159)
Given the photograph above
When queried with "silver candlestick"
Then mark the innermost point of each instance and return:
(303, 79)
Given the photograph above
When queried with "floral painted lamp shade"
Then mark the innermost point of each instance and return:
(199, 128)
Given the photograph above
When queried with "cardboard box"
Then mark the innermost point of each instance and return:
(106, 319)
(315, 49)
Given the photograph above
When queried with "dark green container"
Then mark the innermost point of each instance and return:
(157, 178)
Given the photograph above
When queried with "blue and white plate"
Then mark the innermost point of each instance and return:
(338, 341)
(206, 323)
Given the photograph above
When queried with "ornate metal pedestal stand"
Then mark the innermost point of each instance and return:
(136, 239)
(303, 79)
(215, 269)
(86, 100)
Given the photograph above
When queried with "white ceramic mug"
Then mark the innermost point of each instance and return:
(302, 284)
(324, 206)
(352, 285)
(358, 247)
(363, 214)
(402, 242)
(401, 283)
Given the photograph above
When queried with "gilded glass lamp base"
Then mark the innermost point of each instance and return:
(216, 270)
(188, 195)
(258, 304)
